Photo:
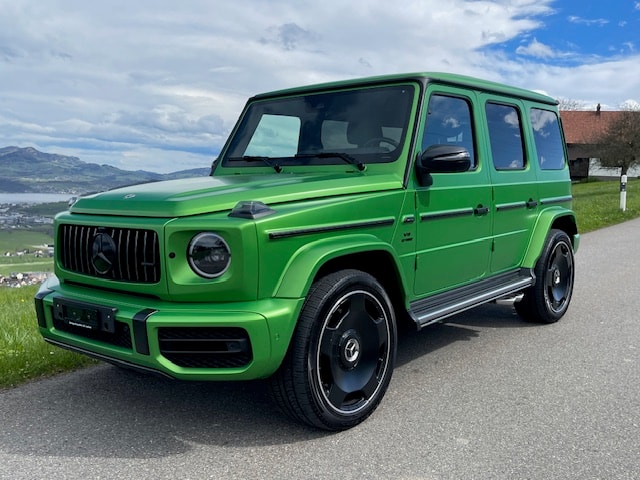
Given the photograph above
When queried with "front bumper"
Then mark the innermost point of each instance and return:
(187, 341)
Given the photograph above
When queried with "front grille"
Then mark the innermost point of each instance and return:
(121, 337)
(205, 347)
(130, 255)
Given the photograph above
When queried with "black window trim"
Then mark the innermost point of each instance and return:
(562, 140)
(474, 130)
(523, 139)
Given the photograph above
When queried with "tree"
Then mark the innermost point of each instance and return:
(619, 144)
(568, 104)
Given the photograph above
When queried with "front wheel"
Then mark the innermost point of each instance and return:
(548, 300)
(342, 353)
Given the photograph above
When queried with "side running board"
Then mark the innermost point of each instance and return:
(437, 307)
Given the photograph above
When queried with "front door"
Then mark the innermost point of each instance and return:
(454, 214)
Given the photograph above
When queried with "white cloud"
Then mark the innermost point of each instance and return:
(583, 83)
(589, 22)
(537, 49)
(160, 83)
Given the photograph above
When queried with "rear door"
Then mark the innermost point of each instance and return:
(513, 176)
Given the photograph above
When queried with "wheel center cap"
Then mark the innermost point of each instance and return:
(350, 349)
(556, 277)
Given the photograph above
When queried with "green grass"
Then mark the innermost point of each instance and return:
(12, 240)
(37, 265)
(24, 355)
(597, 204)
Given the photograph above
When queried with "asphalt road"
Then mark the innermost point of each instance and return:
(484, 396)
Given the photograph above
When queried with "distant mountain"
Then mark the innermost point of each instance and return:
(27, 170)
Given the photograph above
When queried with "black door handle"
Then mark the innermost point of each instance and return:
(480, 210)
(532, 203)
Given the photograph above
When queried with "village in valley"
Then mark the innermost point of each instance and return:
(17, 280)
(11, 216)
(21, 265)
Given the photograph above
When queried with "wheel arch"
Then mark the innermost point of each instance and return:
(360, 252)
(560, 219)
(380, 264)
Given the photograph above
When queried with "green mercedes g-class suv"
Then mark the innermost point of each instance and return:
(333, 213)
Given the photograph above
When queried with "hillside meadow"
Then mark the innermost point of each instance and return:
(12, 241)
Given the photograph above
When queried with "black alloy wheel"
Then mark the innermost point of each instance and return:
(547, 301)
(342, 354)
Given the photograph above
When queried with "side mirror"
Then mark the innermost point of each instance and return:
(441, 159)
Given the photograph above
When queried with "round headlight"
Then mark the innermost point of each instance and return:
(209, 255)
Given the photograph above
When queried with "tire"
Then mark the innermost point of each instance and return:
(342, 353)
(548, 300)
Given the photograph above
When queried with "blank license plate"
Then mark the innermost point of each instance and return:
(84, 315)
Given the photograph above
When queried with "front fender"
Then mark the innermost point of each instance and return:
(300, 271)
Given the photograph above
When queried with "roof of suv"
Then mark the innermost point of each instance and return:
(423, 77)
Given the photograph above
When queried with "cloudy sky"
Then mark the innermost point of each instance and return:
(158, 84)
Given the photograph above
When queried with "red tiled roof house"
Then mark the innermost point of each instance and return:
(581, 131)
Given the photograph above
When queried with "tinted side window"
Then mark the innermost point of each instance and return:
(505, 135)
(449, 123)
(546, 133)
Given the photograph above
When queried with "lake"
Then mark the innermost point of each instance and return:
(34, 197)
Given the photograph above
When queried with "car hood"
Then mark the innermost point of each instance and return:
(193, 196)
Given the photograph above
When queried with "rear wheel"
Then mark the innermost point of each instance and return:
(342, 354)
(548, 300)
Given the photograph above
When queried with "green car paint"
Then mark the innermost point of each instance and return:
(296, 197)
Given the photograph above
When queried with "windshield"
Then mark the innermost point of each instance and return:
(353, 126)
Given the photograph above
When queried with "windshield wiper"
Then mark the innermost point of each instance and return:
(255, 158)
(341, 155)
